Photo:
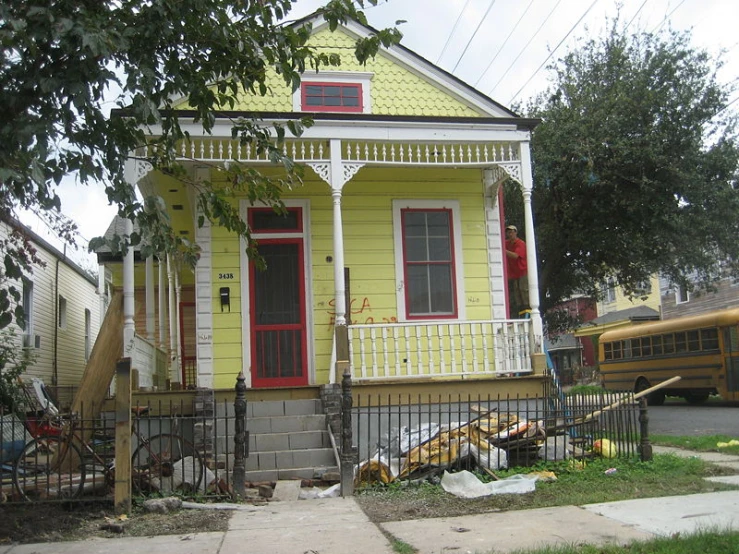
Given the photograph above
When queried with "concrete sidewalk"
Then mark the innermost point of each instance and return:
(338, 526)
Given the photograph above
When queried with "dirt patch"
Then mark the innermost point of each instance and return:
(29, 523)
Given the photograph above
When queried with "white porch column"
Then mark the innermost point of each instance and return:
(129, 327)
(174, 374)
(102, 292)
(528, 185)
(162, 306)
(150, 314)
(337, 184)
(178, 337)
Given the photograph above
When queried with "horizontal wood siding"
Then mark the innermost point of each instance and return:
(80, 294)
(369, 253)
(726, 296)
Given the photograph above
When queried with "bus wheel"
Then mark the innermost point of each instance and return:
(657, 398)
(696, 397)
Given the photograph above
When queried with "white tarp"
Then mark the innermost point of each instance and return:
(466, 485)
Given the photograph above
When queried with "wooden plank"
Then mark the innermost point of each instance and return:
(122, 490)
(100, 368)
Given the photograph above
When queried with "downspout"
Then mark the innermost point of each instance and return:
(55, 368)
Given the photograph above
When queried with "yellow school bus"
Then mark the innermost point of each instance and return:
(702, 349)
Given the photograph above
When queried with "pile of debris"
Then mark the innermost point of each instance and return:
(487, 442)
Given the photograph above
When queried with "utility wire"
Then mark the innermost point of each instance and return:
(504, 43)
(553, 51)
(635, 15)
(658, 27)
(524, 48)
(490, 7)
(449, 38)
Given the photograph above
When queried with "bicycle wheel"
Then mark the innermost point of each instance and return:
(166, 463)
(46, 469)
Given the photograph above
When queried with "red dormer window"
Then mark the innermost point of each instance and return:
(331, 97)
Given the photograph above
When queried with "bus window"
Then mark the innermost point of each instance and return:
(669, 341)
(618, 353)
(731, 339)
(636, 348)
(608, 351)
(694, 343)
(709, 339)
(680, 343)
(657, 345)
(646, 346)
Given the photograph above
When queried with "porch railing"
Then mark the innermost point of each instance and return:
(451, 349)
(150, 361)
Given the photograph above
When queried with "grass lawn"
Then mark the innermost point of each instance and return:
(707, 443)
(666, 475)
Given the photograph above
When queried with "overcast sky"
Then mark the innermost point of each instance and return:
(501, 47)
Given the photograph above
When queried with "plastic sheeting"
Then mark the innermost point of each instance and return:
(466, 485)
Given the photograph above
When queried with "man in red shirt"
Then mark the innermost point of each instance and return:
(518, 279)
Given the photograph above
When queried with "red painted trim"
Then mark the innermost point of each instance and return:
(359, 108)
(501, 214)
(294, 380)
(185, 359)
(250, 220)
(452, 263)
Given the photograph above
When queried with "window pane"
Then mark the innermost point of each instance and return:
(418, 290)
(313, 90)
(350, 101)
(669, 341)
(269, 220)
(657, 345)
(438, 223)
(636, 348)
(332, 91)
(441, 289)
(680, 344)
(415, 250)
(440, 249)
(414, 223)
(694, 344)
(314, 101)
(618, 350)
(350, 92)
(331, 101)
(608, 351)
(709, 339)
(646, 346)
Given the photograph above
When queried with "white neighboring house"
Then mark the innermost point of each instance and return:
(63, 313)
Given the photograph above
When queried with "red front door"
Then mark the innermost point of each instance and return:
(278, 328)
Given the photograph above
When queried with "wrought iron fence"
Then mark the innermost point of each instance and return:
(414, 438)
(73, 458)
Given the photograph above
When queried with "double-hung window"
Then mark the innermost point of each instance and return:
(428, 263)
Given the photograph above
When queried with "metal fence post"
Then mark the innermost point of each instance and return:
(240, 438)
(645, 447)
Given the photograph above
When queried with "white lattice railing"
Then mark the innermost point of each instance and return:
(375, 153)
(453, 349)
(389, 153)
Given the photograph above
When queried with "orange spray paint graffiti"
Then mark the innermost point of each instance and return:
(359, 312)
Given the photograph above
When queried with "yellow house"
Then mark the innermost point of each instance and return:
(393, 243)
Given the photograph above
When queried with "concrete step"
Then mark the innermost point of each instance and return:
(289, 474)
(273, 408)
(286, 424)
(290, 459)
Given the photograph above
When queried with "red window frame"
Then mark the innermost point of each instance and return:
(451, 263)
(359, 108)
(297, 229)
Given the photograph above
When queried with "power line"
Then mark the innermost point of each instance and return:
(504, 43)
(553, 51)
(490, 7)
(524, 48)
(658, 27)
(449, 38)
(635, 15)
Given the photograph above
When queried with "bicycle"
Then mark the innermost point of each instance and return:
(52, 466)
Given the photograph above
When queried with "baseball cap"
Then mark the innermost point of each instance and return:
(513, 227)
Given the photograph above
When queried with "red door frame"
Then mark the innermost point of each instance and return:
(302, 379)
(188, 364)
